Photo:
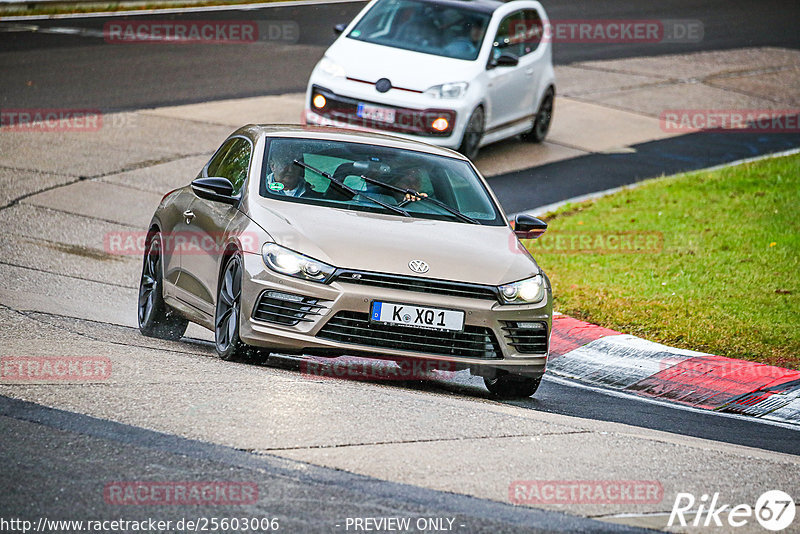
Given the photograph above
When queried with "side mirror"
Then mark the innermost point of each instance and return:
(339, 29)
(528, 227)
(215, 189)
(505, 59)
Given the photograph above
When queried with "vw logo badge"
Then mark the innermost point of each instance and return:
(383, 85)
(418, 266)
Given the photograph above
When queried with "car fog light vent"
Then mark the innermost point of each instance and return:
(286, 308)
(285, 296)
(532, 326)
(528, 337)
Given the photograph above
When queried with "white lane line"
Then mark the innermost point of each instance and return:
(166, 11)
(541, 210)
(620, 394)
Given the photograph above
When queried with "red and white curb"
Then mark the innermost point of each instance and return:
(612, 360)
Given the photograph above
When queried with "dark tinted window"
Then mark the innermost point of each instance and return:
(519, 33)
(510, 36)
(232, 161)
(534, 30)
(442, 30)
(449, 180)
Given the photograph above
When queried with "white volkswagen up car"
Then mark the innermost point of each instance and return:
(455, 73)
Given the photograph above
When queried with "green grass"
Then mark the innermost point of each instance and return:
(726, 279)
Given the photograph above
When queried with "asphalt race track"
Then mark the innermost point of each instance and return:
(553, 182)
(78, 71)
(304, 497)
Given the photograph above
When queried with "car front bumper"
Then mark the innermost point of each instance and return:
(414, 113)
(333, 320)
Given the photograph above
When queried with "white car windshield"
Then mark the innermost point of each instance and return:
(376, 178)
(438, 29)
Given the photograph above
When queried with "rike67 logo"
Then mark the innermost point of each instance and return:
(774, 510)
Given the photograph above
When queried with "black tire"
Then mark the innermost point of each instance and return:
(509, 386)
(542, 119)
(228, 313)
(471, 140)
(156, 318)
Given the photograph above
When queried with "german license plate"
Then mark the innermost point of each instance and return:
(417, 316)
(375, 113)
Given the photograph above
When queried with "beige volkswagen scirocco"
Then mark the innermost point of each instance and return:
(319, 241)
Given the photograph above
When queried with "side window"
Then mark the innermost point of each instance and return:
(232, 162)
(534, 30)
(510, 36)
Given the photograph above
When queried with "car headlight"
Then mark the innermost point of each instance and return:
(288, 262)
(526, 291)
(331, 68)
(448, 90)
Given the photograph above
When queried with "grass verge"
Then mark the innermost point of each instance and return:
(708, 261)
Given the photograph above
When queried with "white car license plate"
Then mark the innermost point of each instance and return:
(417, 316)
(377, 113)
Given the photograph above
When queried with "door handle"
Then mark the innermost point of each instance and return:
(189, 214)
(529, 72)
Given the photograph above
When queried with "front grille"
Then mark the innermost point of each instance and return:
(356, 328)
(527, 337)
(421, 285)
(285, 308)
(410, 121)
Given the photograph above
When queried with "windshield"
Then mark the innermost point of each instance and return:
(423, 27)
(290, 175)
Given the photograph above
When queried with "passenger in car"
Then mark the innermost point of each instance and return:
(410, 179)
(469, 33)
(287, 178)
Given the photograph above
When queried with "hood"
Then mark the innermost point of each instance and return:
(386, 243)
(404, 68)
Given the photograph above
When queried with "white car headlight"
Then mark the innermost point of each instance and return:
(528, 291)
(288, 262)
(448, 90)
(331, 68)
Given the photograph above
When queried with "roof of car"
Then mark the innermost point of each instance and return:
(483, 6)
(342, 134)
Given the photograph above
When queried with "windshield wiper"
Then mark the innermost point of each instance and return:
(420, 196)
(350, 190)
